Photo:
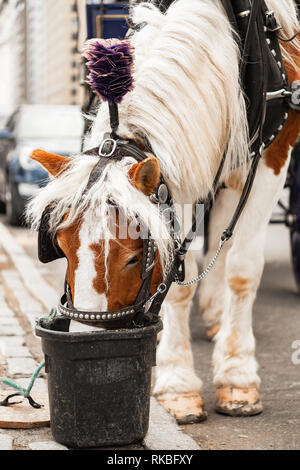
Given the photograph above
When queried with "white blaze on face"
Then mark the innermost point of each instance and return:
(85, 295)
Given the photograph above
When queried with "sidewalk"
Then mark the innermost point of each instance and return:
(25, 296)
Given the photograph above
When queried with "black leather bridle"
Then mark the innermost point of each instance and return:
(143, 310)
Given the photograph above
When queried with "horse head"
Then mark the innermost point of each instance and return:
(101, 238)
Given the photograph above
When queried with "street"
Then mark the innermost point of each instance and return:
(24, 297)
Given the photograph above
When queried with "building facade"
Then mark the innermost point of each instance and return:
(40, 52)
(53, 57)
(12, 55)
(40, 59)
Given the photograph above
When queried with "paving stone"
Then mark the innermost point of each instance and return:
(12, 341)
(28, 273)
(20, 366)
(5, 311)
(46, 445)
(6, 442)
(8, 321)
(23, 416)
(3, 365)
(11, 331)
(12, 279)
(40, 385)
(16, 351)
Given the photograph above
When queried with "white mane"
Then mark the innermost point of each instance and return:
(187, 97)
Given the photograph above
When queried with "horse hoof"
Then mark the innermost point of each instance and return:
(238, 402)
(193, 419)
(186, 408)
(211, 332)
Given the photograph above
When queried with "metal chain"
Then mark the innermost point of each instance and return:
(206, 271)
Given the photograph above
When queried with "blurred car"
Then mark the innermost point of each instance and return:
(55, 128)
(5, 145)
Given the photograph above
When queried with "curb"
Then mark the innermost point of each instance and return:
(164, 432)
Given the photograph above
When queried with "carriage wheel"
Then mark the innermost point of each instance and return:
(295, 245)
(295, 211)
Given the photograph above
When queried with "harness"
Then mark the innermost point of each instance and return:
(268, 95)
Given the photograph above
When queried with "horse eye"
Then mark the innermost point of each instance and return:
(132, 261)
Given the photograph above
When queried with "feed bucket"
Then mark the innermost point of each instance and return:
(99, 384)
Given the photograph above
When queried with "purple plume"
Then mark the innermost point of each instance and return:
(110, 63)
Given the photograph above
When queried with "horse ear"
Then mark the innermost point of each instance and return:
(54, 164)
(145, 175)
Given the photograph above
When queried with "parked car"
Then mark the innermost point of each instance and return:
(54, 128)
(6, 143)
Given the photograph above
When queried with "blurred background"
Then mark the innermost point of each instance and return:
(42, 85)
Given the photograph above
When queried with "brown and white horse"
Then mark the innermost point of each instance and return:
(187, 101)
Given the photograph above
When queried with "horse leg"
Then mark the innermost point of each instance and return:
(235, 367)
(177, 386)
(212, 289)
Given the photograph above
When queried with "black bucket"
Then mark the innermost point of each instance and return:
(99, 384)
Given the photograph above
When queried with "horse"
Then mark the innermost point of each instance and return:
(187, 101)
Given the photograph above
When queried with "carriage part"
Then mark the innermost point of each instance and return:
(99, 384)
(295, 249)
(295, 212)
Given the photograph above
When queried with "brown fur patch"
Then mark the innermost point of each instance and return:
(211, 332)
(235, 181)
(124, 281)
(232, 344)
(183, 294)
(240, 286)
(231, 394)
(277, 154)
(205, 305)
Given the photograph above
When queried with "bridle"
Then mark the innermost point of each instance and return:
(142, 311)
